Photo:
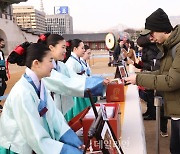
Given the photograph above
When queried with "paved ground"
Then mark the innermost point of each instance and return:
(99, 66)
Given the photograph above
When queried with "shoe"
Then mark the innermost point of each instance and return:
(164, 134)
(149, 118)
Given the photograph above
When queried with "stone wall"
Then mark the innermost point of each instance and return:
(13, 35)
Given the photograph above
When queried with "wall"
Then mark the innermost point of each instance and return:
(13, 35)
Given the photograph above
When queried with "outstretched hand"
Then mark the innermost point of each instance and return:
(131, 79)
(106, 81)
(82, 147)
(129, 61)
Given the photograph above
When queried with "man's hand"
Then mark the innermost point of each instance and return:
(131, 79)
(82, 147)
(106, 81)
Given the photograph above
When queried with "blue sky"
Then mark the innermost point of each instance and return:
(95, 15)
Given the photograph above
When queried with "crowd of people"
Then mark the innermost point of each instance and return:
(166, 79)
(52, 90)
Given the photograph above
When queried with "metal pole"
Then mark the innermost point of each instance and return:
(157, 104)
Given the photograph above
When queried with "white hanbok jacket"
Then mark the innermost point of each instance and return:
(75, 64)
(65, 83)
(22, 129)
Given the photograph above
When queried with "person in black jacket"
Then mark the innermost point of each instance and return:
(3, 76)
(118, 54)
(151, 62)
(149, 54)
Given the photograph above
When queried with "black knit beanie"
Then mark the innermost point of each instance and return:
(158, 21)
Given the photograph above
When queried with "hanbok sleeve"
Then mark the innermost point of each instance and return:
(69, 137)
(29, 123)
(95, 84)
(64, 85)
(75, 85)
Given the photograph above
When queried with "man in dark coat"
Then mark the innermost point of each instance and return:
(167, 78)
(147, 63)
(118, 54)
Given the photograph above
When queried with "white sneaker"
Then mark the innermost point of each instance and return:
(163, 134)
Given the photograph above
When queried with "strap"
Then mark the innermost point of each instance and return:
(58, 69)
(42, 107)
(84, 63)
(79, 61)
(32, 83)
(173, 50)
(87, 69)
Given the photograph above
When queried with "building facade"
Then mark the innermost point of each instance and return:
(96, 41)
(7, 14)
(59, 24)
(9, 30)
(29, 18)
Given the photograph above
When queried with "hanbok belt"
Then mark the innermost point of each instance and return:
(81, 73)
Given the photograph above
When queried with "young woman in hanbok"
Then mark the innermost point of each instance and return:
(64, 83)
(84, 59)
(30, 122)
(77, 64)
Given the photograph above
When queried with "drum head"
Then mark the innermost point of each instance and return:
(110, 41)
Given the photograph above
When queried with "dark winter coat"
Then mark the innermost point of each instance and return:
(167, 78)
(149, 54)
